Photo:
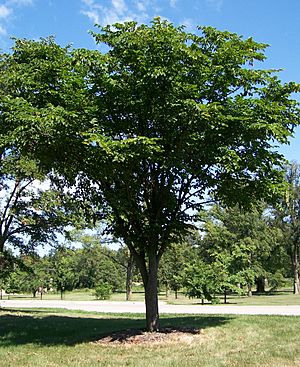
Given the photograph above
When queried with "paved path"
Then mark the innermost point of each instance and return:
(139, 307)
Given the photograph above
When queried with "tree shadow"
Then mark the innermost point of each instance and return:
(41, 328)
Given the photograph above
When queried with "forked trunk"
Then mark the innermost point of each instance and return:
(148, 270)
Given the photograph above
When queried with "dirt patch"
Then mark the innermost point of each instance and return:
(138, 336)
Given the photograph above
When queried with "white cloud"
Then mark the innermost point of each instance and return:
(215, 4)
(189, 24)
(20, 2)
(141, 6)
(119, 6)
(3, 31)
(173, 3)
(92, 15)
(117, 10)
(4, 11)
(7, 12)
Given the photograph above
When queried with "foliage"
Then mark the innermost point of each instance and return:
(287, 218)
(242, 242)
(63, 269)
(198, 282)
(29, 275)
(103, 291)
(172, 265)
(7, 263)
(97, 263)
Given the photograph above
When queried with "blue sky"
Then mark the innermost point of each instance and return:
(275, 22)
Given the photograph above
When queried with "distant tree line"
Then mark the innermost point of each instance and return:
(233, 251)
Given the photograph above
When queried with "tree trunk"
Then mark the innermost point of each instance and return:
(151, 296)
(176, 293)
(296, 281)
(167, 290)
(149, 276)
(249, 290)
(260, 284)
(295, 262)
(129, 271)
(225, 296)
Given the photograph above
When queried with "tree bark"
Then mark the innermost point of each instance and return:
(260, 284)
(149, 275)
(295, 262)
(151, 296)
(167, 291)
(296, 280)
(249, 290)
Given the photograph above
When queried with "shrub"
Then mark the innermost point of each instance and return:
(103, 291)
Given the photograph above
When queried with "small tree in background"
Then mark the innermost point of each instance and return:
(63, 269)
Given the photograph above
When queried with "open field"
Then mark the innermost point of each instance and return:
(63, 338)
(283, 297)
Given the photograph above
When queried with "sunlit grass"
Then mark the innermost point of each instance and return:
(283, 297)
(65, 338)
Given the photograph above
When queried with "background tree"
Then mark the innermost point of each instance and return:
(63, 270)
(97, 263)
(172, 265)
(198, 281)
(7, 264)
(244, 242)
(166, 116)
(287, 216)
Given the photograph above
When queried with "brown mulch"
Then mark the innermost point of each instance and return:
(138, 336)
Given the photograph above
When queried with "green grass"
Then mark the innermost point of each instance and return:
(52, 338)
(282, 297)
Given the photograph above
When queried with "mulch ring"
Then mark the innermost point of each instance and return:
(139, 336)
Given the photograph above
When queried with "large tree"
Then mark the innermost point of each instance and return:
(151, 126)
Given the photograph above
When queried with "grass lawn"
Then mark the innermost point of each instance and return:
(283, 297)
(280, 298)
(51, 338)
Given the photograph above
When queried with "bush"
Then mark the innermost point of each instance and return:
(103, 291)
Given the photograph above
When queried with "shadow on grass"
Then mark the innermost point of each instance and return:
(41, 328)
